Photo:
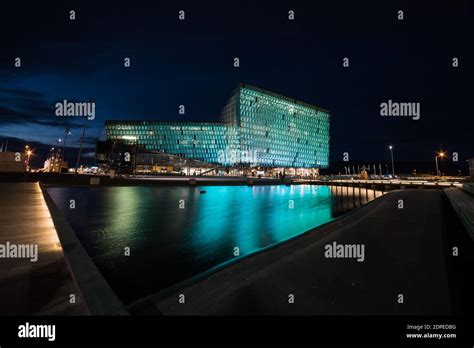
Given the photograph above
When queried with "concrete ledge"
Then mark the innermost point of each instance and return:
(96, 292)
(463, 205)
(468, 187)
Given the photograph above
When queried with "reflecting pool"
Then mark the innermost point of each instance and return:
(175, 233)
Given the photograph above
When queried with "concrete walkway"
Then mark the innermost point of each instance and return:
(26, 287)
(404, 255)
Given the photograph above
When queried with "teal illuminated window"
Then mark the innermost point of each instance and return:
(257, 128)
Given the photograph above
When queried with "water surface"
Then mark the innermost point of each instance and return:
(175, 233)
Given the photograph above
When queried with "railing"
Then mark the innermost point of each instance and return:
(392, 184)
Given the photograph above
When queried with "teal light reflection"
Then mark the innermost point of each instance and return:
(169, 244)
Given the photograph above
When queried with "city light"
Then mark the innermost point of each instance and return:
(391, 154)
(440, 154)
(28, 155)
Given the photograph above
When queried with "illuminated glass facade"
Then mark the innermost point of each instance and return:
(257, 128)
(197, 140)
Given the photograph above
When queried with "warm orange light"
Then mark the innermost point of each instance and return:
(441, 154)
(29, 152)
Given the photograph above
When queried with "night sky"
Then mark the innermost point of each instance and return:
(191, 63)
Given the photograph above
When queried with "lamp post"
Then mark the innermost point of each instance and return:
(134, 171)
(80, 147)
(58, 148)
(28, 155)
(67, 131)
(440, 154)
(391, 153)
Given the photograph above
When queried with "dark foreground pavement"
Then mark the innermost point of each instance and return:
(405, 254)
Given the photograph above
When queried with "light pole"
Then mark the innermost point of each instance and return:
(67, 131)
(58, 155)
(391, 153)
(28, 155)
(80, 147)
(58, 149)
(441, 154)
(134, 171)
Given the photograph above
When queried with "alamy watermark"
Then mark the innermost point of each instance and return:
(19, 251)
(234, 156)
(66, 108)
(345, 251)
(391, 108)
(37, 331)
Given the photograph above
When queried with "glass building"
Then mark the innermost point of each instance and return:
(256, 128)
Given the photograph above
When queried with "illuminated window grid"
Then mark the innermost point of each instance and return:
(280, 131)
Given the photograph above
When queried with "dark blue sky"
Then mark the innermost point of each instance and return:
(190, 63)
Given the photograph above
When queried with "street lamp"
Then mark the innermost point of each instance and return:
(28, 155)
(441, 154)
(391, 153)
(58, 143)
(68, 132)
